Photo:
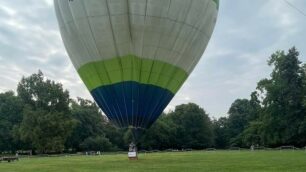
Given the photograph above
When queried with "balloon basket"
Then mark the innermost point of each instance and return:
(132, 154)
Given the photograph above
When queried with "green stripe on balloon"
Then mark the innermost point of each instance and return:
(132, 68)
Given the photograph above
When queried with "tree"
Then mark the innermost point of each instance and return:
(241, 113)
(302, 127)
(41, 93)
(10, 116)
(252, 135)
(98, 143)
(90, 123)
(220, 128)
(239, 116)
(194, 128)
(161, 135)
(47, 121)
(255, 107)
(47, 131)
(283, 109)
(115, 136)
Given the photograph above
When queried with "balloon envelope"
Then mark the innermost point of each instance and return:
(134, 55)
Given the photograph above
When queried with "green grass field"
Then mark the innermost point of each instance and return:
(234, 161)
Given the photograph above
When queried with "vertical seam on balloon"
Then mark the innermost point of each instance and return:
(116, 49)
(92, 35)
(158, 45)
(143, 34)
(144, 28)
(90, 28)
(75, 25)
(123, 86)
(193, 39)
(180, 31)
(102, 108)
(177, 60)
(139, 76)
(131, 44)
(139, 123)
(129, 23)
(194, 62)
(117, 52)
(112, 29)
(158, 104)
(81, 40)
(162, 97)
(181, 28)
(148, 81)
(62, 16)
(137, 96)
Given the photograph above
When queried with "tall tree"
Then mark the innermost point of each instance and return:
(302, 127)
(283, 96)
(47, 121)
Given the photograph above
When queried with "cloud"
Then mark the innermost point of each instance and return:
(29, 41)
(7, 10)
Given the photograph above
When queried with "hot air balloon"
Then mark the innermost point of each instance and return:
(134, 55)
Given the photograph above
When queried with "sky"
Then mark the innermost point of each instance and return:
(246, 34)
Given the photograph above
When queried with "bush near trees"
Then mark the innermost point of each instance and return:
(42, 117)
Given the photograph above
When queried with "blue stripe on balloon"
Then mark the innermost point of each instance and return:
(132, 104)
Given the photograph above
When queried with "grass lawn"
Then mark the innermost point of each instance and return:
(234, 161)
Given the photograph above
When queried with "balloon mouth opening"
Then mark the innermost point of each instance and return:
(137, 132)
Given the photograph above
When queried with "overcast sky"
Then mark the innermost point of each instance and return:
(246, 34)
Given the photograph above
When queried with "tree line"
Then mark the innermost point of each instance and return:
(42, 117)
(275, 114)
